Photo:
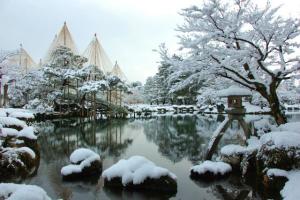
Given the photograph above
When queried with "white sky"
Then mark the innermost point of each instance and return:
(128, 29)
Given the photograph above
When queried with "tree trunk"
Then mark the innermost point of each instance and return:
(5, 94)
(275, 109)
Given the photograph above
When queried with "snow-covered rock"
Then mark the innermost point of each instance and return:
(139, 173)
(210, 170)
(85, 163)
(17, 162)
(11, 191)
(27, 132)
(21, 115)
(8, 132)
(11, 122)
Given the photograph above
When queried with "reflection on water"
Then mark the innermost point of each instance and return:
(173, 142)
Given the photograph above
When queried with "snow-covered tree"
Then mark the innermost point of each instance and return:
(243, 42)
(151, 89)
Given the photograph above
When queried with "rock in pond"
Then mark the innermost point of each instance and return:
(86, 165)
(138, 173)
(17, 162)
(210, 170)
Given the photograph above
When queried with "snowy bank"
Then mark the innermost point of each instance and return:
(85, 162)
(11, 191)
(139, 173)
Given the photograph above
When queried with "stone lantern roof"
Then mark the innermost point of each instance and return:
(234, 91)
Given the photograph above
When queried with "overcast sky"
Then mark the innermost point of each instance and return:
(128, 29)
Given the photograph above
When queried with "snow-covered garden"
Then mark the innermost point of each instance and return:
(219, 120)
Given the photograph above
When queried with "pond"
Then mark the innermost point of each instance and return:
(173, 142)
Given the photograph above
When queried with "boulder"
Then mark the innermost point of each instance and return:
(86, 165)
(138, 173)
(17, 162)
(210, 171)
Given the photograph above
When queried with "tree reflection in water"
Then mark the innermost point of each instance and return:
(180, 137)
(103, 137)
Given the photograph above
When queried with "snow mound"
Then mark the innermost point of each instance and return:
(136, 170)
(291, 189)
(283, 139)
(214, 167)
(291, 126)
(11, 191)
(234, 91)
(82, 155)
(27, 132)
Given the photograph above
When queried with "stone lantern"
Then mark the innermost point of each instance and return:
(236, 111)
(234, 95)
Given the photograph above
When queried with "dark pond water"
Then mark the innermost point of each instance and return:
(172, 142)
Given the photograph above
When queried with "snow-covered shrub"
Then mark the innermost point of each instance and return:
(279, 150)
